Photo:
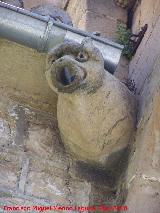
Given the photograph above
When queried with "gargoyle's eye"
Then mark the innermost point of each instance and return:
(82, 57)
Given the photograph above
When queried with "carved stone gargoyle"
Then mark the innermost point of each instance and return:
(96, 112)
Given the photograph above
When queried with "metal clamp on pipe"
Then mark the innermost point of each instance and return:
(42, 33)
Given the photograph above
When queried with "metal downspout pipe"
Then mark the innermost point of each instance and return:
(43, 33)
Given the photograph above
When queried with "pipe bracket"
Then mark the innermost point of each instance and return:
(43, 47)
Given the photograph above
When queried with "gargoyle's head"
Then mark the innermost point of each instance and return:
(74, 67)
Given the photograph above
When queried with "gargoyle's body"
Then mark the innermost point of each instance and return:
(97, 118)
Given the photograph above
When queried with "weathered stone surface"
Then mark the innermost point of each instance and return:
(97, 22)
(34, 167)
(45, 185)
(77, 10)
(10, 167)
(142, 64)
(4, 133)
(143, 176)
(40, 141)
(18, 204)
(95, 15)
(96, 113)
(144, 195)
(28, 4)
(28, 66)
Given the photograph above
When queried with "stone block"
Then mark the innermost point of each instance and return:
(42, 143)
(101, 16)
(107, 9)
(107, 26)
(10, 169)
(49, 181)
(46, 185)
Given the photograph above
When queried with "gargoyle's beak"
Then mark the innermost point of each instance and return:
(66, 74)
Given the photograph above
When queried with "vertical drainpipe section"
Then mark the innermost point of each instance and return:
(42, 33)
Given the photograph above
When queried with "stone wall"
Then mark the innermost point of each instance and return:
(94, 15)
(147, 12)
(143, 177)
(36, 170)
